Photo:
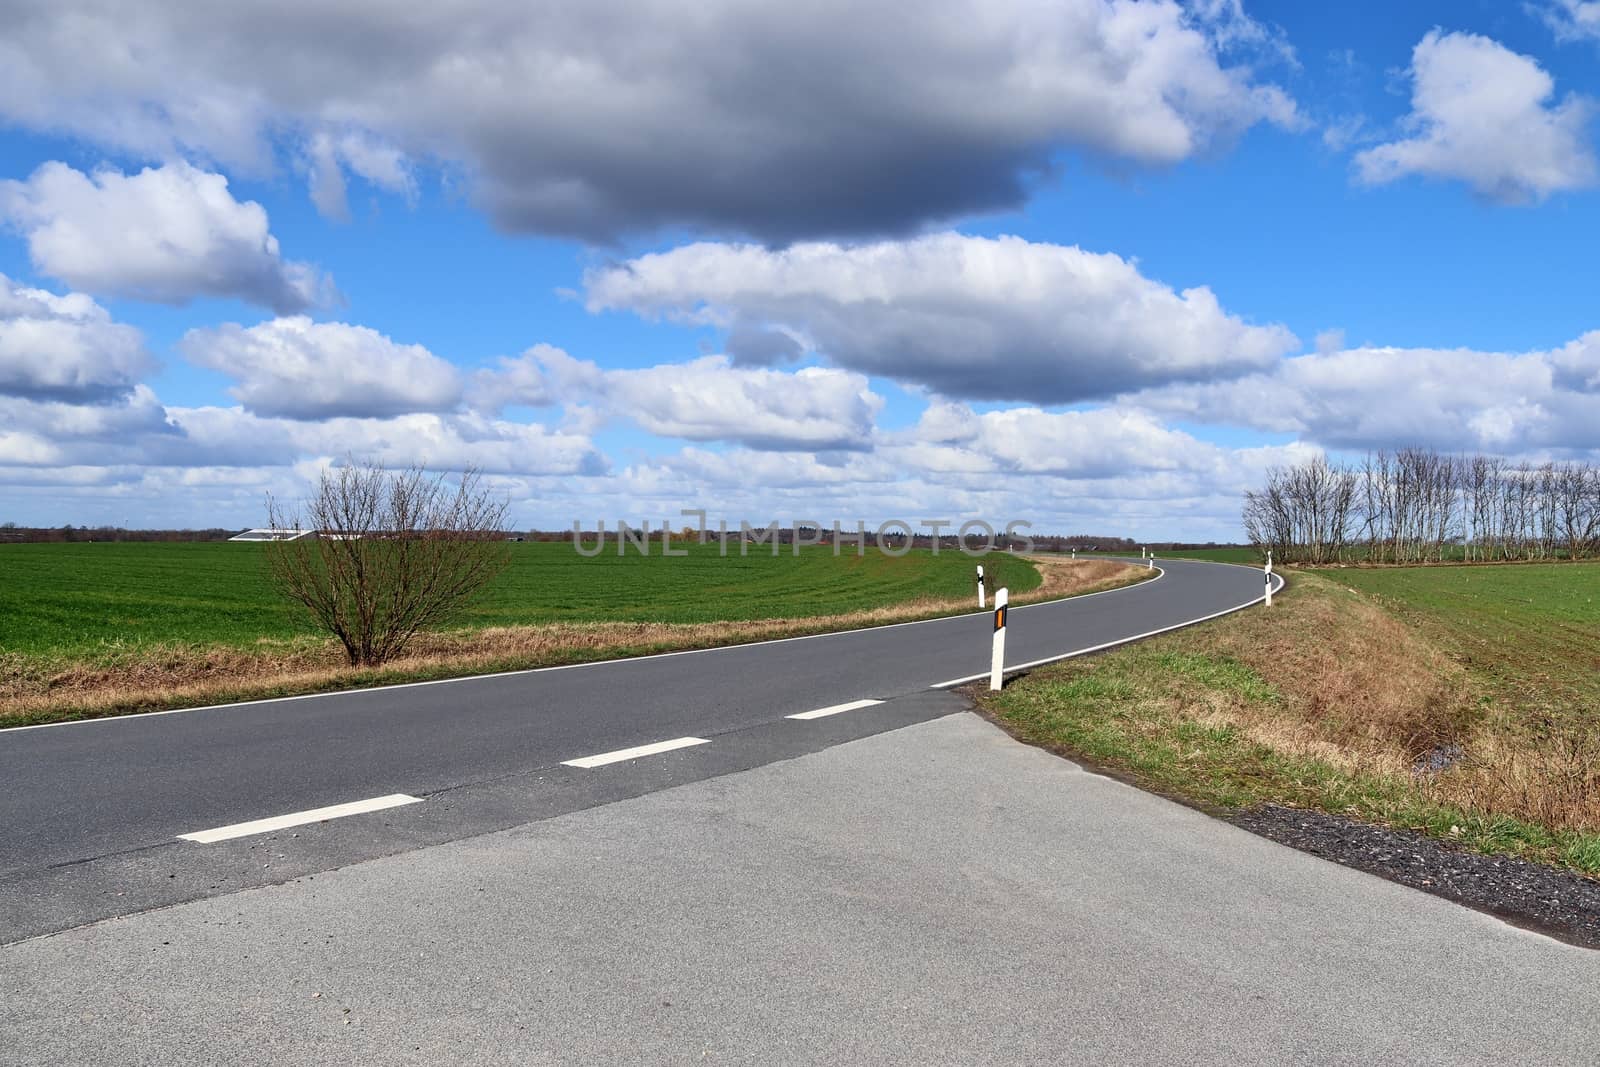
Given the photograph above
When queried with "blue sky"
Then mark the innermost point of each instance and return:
(1091, 264)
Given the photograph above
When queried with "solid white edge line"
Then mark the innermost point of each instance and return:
(1120, 640)
(834, 709)
(299, 818)
(621, 754)
(576, 666)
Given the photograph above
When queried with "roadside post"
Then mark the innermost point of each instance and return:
(997, 660)
(980, 586)
(1150, 562)
(1268, 575)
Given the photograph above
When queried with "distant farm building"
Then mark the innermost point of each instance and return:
(273, 535)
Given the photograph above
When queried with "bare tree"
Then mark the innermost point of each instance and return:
(1415, 505)
(1303, 512)
(393, 553)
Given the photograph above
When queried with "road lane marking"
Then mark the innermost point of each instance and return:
(1119, 641)
(634, 753)
(299, 818)
(834, 709)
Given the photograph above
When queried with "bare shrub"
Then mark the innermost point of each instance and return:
(394, 552)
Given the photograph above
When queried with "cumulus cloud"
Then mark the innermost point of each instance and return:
(1098, 443)
(328, 156)
(1360, 398)
(64, 347)
(776, 121)
(299, 369)
(973, 317)
(1108, 472)
(140, 432)
(167, 234)
(1483, 114)
(707, 399)
(1572, 20)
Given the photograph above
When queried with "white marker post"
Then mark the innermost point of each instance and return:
(1268, 575)
(997, 660)
(1150, 562)
(980, 585)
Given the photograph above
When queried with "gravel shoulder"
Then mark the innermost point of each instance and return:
(1557, 903)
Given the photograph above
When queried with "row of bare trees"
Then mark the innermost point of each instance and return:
(1416, 505)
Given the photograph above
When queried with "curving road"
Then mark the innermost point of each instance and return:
(92, 811)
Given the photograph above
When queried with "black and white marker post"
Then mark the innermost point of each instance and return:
(997, 660)
(1268, 573)
(980, 585)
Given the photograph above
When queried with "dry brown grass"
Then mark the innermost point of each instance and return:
(142, 678)
(1356, 688)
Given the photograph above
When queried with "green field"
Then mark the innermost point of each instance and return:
(74, 599)
(1528, 632)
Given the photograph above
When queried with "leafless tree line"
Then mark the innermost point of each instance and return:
(1415, 505)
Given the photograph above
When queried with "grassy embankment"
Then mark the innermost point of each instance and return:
(96, 629)
(1460, 701)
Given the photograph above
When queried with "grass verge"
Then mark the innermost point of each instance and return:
(37, 688)
(1334, 700)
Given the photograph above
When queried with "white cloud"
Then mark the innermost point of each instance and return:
(64, 347)
(778, 121)
(1093, 444)
(1110, 474)
(1572, 20)
(139, 432)
(329, 155)
(299, 369)
(167, 234)
(1487, 116)
(981, 318)
(1361, 398)
(706, 399)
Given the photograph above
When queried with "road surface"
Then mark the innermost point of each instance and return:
(94, 813)
(933, 894)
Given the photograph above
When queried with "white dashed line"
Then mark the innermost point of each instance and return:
(634, 753)
(834, 709)
(299, 818)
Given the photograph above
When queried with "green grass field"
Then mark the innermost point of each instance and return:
(72, 599)
(1528, 632)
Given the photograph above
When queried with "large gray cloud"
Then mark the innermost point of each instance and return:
(775, 120)
(980, 318)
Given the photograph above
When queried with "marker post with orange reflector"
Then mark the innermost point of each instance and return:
(997, 660)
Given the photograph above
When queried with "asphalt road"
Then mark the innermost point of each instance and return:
(933, 894)
(91, 812)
